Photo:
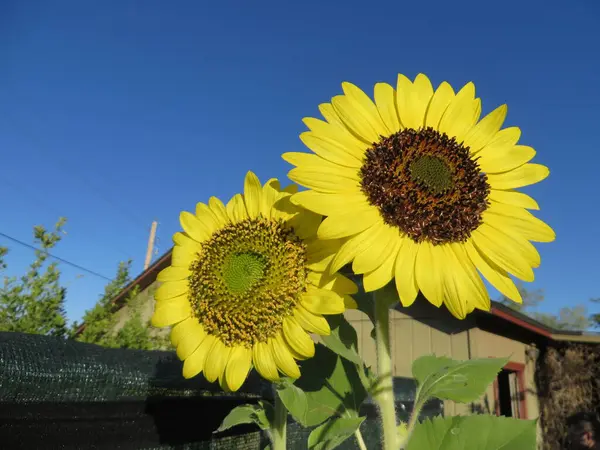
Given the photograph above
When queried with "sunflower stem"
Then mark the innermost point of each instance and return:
(384, 392)
(279, 428)
(359, 439)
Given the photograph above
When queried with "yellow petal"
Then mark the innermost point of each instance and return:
(382, 275)
(504, 159)
(264, 362)
(508, 217)
(349, 302)
(502, 251)
(319, 253)
(351, 223)
(238, 367)
(182, 329)
(171, 289)
(522, 176)
(183, 257)
(321, 301)
(312, 323)
(283, 357)
(331, 204)
(208, 218)
(327, 111)
(429, 268)
(413, 100)
(193, 227)
(363, 105)
(216, 361)
(218, 209)
(466, 278)
(331, 150)
(406, 283)
(385, 99)
(334, 133)
(172, 273)
(305, 224)
(482, 133)
(377, 252)
(189, 342)
(271, 192)
(461, 114)
(338, 283)
(297, 338)
(497, 276)
(171, 314)
(196, 362)
(190, 244)
(290, 189)
(322, 181)
(359, 121)
(283, 209)
(455, 299)
(503, 139)
(311, 161)
(442, 97)
(236, 209)
(252, 195)
(513, 198)
(355, 245)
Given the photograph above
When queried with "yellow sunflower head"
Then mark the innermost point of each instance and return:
(246, 286)
(423, 191)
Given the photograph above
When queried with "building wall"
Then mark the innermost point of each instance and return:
(421, 330)
(432, 332)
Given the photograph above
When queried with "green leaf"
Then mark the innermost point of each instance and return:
(461, 381)
(333, 432)
(329, 386)
(260, 414)
(293, 398)
(343, 339)
(474, 432)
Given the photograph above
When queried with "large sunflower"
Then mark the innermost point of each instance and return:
(246, 286)
(423, 192)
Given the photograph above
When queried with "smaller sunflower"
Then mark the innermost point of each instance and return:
(246, 286)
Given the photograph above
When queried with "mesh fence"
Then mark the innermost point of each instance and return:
(61, 394)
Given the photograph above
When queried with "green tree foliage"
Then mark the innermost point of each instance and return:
(34, 302)
(595, 318)
(568, 318)
(107, 325)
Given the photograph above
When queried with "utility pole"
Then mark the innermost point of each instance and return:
(150, 244)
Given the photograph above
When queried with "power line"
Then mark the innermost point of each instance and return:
(69, 263)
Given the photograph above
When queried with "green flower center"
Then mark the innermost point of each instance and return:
(241, 271)
(432, 173)
(248, 277)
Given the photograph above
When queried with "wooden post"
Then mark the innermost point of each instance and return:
(150, 244)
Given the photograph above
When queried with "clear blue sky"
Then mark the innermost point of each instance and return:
(114, 113)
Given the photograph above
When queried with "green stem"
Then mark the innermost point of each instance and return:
(279, 428)
(384, 395)
(412, 422)
(359, 439)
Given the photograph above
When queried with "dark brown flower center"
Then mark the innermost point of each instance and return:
(426, 184)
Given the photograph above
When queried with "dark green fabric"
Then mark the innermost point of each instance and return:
(59, 394)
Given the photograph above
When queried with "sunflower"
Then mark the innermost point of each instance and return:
(246, 286)
(423, 191)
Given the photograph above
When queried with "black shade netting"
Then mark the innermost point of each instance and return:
(62, 394)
